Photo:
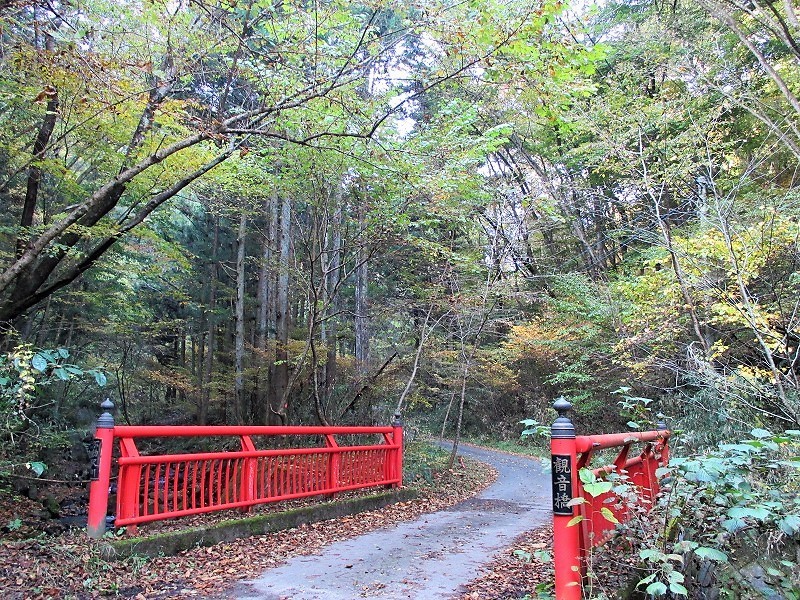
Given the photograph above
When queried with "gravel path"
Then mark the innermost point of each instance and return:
(429, 558)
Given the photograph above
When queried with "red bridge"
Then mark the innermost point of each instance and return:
(585, 508)
(161, 486)
(165, 486)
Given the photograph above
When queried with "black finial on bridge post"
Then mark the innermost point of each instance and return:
(562, 427)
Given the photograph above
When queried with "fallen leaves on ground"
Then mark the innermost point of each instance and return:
(71, 566)
(516, 571)
(525, 568)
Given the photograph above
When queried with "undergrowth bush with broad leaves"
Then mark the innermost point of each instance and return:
(28, 397)
(727, 525)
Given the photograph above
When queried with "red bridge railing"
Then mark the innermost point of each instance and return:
(582, 520)
(166, 486)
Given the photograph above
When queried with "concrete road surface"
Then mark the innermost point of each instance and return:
(431, 557)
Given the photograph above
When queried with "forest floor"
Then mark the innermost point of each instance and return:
(40, 558)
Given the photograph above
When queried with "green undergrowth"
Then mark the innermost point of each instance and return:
(515, 447)
(726, 525)
(421, 461)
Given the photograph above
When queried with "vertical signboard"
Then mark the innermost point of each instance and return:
(562, 484)
(94, 459)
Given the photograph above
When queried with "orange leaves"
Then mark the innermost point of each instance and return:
(48, 92)
(542, 339)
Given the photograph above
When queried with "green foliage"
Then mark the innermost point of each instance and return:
(543, 591)
(593, 485)
(609, 211)
(14, 524)
(570, 343)
(724, 512)
(637, 409)
(535, 443)
(32, 381)
(37, 468)
(421, 460)
(26, 372)
(534, 428)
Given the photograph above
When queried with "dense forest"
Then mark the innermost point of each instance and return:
(295, 212)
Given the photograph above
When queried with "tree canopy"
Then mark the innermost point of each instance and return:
(261, 211)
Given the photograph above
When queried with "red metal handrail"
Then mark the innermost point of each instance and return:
(587, 443)
(156, 487)
(579, 521)
(150, 431)
(639, 472)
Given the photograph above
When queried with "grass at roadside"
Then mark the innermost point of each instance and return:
(513, 446)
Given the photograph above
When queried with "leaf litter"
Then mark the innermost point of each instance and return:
(71, 566)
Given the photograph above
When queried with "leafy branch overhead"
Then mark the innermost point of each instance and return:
(139, 123)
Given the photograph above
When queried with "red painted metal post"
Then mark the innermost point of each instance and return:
(334, 463)
(397, 438)
(128, 483)
(247, 485)
(566, 537)
(102, 450)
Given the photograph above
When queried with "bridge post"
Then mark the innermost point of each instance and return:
(397, 438)
(334, 465)
(663, 445)
(566, 537)
(100, 471)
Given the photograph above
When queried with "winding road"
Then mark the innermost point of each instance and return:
(429, 558)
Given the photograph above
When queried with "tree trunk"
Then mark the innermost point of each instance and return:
(666, 233)
(424, 332)
(280, 371)
(447, 415)
(460, 418)
(361, 309)
(35, 171)
(721, 13)
(754, 317)
(334, 274)
(208, 359)
(239, 408)
(265, 284)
